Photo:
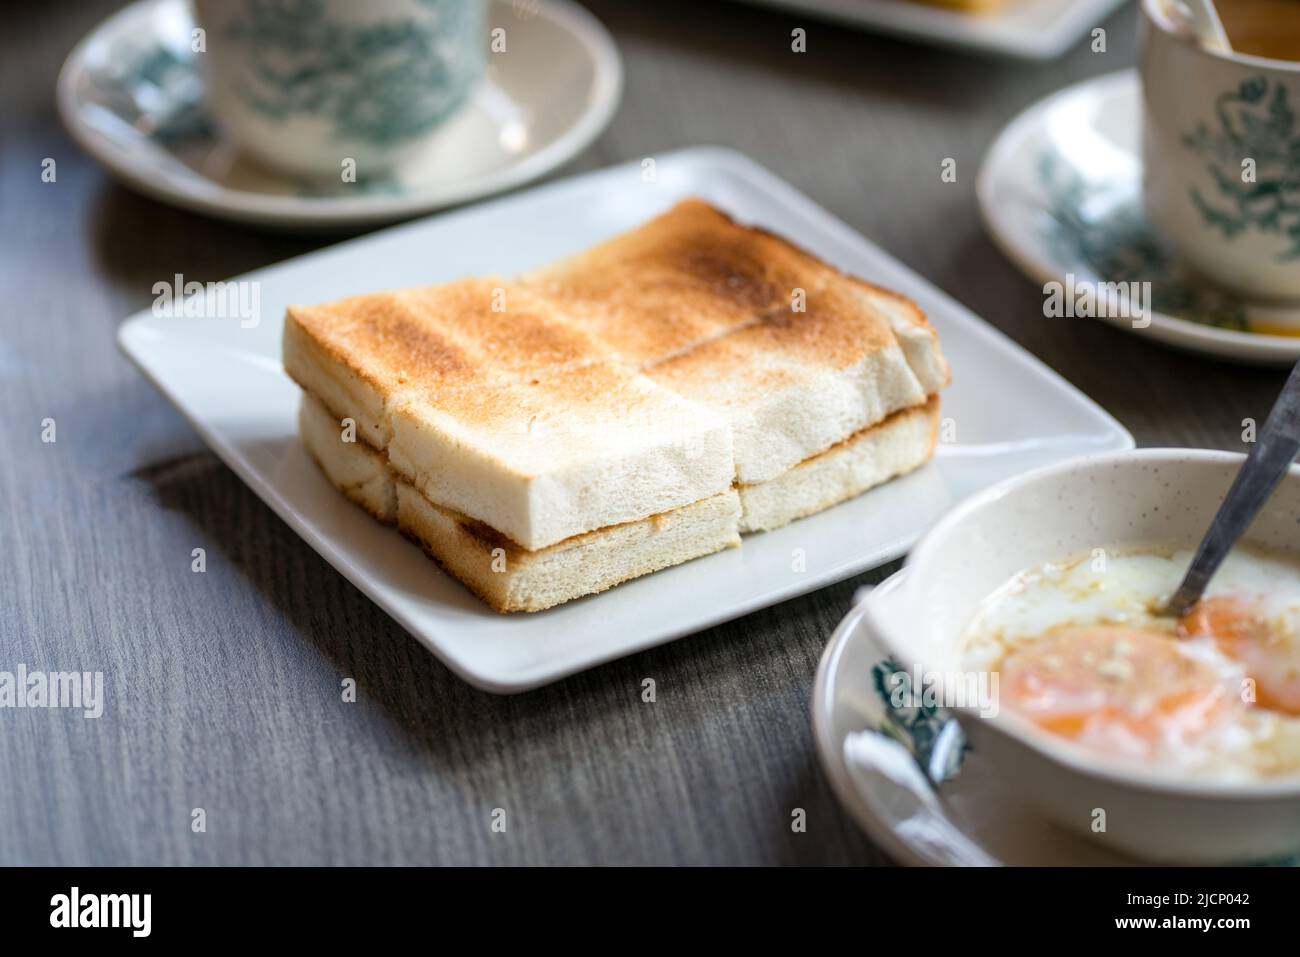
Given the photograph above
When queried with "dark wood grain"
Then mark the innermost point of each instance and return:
(224, 688)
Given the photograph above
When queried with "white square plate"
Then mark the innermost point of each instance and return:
(1027, 29)
(1009, 411)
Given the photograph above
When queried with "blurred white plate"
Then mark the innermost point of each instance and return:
(1027, 29)
(1060, 191)
(132, 96)
(1008, 411)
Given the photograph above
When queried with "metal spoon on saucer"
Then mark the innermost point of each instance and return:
(1274, 451)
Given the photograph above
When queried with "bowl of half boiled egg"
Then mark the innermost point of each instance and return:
(1035, 612)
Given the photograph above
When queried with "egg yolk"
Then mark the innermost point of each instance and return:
(1268, 650)
(1114, 688)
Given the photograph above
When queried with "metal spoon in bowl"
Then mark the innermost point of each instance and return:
(1274, 451)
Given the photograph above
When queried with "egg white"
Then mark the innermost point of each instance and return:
(1130, 588)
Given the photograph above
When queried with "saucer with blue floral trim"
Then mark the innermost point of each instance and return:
(903, 770)
(1060, 192)
(905, 774)
(131, 94)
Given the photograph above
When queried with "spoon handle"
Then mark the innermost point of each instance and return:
(1205, 23)
(1274, 451)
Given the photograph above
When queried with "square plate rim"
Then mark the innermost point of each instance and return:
(133, 328)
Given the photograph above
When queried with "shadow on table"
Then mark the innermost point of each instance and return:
(137, 241)
(725, 749)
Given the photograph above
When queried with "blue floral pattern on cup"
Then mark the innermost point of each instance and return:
(1254, 158)
(383, 82)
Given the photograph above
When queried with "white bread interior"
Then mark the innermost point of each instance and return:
(901, 443)
(801, 380)
(510, 578)
(355, 468)
(533, 580)
(918, 339)
(507, 577)
(579, 450)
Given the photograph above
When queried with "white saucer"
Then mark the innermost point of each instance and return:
(907, 777)
(1060, 192)
(874, 755)
(131, 95)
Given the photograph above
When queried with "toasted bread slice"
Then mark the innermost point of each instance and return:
(918, 339)
(510, 416)
(801, 380)
(693, 275)
(685, 278)
(510, 578)
(357, 470)
(367, 353)
(640, 377)
(543, 460)
(513, 579)
(901, 443)
(507, 577)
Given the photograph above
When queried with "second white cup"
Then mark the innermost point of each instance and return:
(311, 85)
(1221, 154)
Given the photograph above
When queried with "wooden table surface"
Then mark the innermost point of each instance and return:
(223, 689)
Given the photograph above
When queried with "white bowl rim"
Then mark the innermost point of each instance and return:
(1053, 749)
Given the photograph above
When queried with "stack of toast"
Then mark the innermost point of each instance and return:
(632, 408)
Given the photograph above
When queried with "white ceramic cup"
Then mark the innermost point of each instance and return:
(314, 87)
(1221, 155)
(1146, 498)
